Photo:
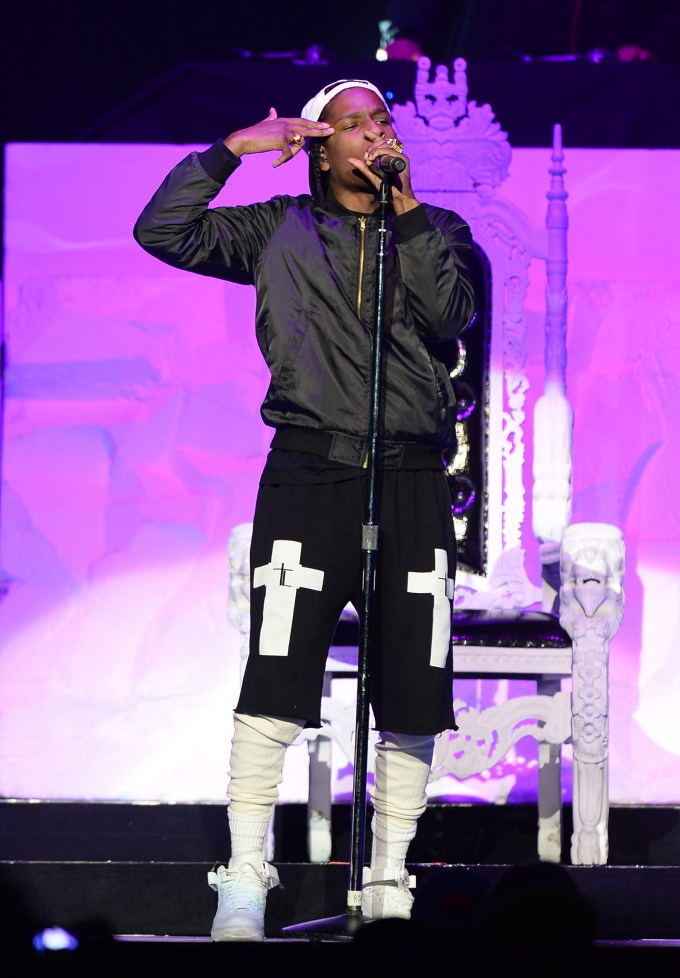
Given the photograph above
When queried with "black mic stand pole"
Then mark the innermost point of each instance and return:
(344, 926)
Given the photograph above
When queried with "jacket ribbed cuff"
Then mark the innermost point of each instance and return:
(410, 224)
(218, 161)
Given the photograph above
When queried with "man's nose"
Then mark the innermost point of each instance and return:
(374, 131)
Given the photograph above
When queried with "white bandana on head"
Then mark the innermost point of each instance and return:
(316, 105)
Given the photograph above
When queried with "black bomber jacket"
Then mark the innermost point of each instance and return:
(313, 268)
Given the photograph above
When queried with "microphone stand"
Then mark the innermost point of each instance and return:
(344, 926)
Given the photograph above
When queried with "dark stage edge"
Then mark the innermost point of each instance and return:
(126, 959)
(128, 918)
(632, 903)
(66, 831)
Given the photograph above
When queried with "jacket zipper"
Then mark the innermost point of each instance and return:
(362, 226)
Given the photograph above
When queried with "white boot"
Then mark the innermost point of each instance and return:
(241, 897)
(386, 894)
(402, 769)
(257, 754)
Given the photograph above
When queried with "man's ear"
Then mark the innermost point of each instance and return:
(324, 165)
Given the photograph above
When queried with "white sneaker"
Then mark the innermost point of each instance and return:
(387, 896)
(241, 897)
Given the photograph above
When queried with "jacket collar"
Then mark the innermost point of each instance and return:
(335, 207)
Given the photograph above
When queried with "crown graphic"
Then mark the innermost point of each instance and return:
(454, 144)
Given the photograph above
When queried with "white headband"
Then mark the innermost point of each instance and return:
(316, 105)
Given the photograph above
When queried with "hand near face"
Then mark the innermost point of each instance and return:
(287, 135)
(385, 146)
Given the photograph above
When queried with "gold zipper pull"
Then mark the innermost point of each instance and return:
(362, 226)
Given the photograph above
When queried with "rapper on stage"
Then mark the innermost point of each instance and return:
(312, 261)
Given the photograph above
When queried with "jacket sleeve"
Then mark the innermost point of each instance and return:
(436, 268)
(178, 227)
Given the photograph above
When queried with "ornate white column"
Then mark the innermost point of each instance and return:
(591, 610)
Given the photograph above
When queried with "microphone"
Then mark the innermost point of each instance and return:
(389, 164)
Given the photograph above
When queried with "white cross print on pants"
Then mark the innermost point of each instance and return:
(440, 586)
(282, 577)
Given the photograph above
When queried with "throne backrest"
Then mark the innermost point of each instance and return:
(460, 159)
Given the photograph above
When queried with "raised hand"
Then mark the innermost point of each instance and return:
(287, 135)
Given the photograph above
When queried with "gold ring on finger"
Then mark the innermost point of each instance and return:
(298, 139)
(395, 144)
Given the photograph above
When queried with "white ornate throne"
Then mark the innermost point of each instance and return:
(555, 633)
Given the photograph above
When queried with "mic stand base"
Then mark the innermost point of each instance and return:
(343, 927)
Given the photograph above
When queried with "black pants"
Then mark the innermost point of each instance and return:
(306, 565)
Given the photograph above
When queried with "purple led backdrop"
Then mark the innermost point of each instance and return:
(132, 444)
